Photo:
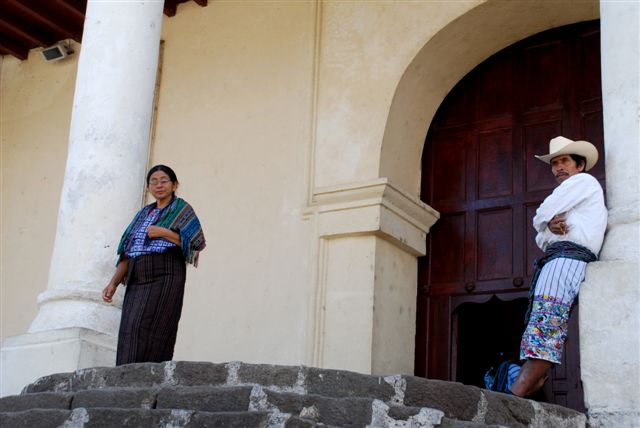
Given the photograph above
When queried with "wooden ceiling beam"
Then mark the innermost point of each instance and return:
(77, 8)
(171, 6)
(10, 47)
(170, 9)
(22, 31)
(50, 19)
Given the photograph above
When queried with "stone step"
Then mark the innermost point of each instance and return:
(174, 418)
(309, 408)
(135, 418)
(300, 395)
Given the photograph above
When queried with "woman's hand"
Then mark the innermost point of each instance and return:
(156, 232)
(118, 277)
(558, 225)
(108, 292)
(162, 232)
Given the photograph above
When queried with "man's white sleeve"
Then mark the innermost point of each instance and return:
(567, 195)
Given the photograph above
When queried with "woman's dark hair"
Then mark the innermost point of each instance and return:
(166, 170)
(580, 160)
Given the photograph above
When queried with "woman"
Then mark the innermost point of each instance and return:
(152, 255)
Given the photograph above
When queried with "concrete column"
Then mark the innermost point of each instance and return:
(103, 184)
(610, 296)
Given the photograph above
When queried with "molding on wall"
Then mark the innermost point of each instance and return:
(373, 207)
(318, 306)
(316, 47)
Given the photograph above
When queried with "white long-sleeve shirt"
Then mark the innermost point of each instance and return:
(581, 200)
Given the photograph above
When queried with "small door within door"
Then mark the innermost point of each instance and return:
(486, 335)
(479, 172)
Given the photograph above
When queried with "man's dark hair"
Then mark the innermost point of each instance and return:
(580, 160)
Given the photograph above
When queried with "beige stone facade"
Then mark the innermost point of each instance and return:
(296, 130)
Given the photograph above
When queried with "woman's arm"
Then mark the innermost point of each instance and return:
(118, 277)
(162, 232)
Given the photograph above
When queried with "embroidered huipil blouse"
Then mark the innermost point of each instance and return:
(142, 244)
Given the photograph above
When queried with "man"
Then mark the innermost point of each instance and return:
(570, 223)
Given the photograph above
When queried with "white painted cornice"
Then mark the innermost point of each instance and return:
(373, 207)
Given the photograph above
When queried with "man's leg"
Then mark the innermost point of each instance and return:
(531, 377)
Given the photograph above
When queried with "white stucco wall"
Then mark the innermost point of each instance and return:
(365, 49)
(35, 111)
(234, 122)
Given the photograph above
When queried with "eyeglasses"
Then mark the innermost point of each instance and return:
(155, 182)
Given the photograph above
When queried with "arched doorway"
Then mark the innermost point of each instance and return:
(480, 174)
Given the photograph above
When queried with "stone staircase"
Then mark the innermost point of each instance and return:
(198, 394)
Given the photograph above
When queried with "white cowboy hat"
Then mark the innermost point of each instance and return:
(564, 146)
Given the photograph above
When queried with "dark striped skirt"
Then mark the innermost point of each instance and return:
(151, 309)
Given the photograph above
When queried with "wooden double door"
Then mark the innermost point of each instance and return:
(480, 173)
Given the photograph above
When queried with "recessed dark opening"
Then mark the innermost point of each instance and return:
(488, 333)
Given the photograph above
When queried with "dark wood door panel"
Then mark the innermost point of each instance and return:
(495, 89)
(439, 355)
(588, 86)
(495, 163)
(448, 167)
(494, 244)
(532, 250)
(448, 261)
(545, 59)
(536, 142)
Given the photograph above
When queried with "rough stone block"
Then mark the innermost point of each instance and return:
(504, 409)
(129, 375)
(196, 373)
(296, 422)
(109, 418)
(41, 400)
(351, 411)
(335, 383)
(456, 400)
(202, 398)
(136, 375)
(282, 377)
(39, 418)
(59, 382)
(452, 423)
(229, 420)
(123, 398)
(402, 413)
